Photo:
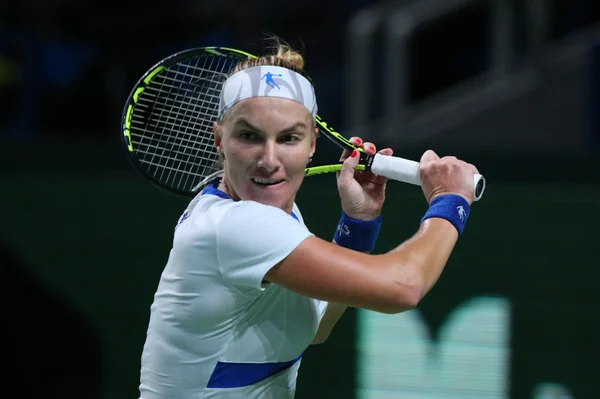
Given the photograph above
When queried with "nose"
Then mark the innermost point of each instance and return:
(269, 160)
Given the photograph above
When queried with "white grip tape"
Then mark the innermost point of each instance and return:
(396, 168)
(406, 171)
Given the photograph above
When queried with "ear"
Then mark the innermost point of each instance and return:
(313, 145)
(217, 135)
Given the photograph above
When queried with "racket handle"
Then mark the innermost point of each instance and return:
(407, 171)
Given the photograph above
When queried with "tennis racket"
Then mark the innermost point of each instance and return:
(168, 119)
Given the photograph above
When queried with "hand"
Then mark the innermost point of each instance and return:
(447, 175)
(362, 193)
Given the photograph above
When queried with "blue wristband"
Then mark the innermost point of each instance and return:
(358, 235)
(451, 207)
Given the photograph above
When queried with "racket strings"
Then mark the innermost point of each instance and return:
(151, 152)
(158, 144)
(172, 125)
(175, 83)
(181, 78)
(173, 121)
(207, 84)
(199, 110)
(163, 166)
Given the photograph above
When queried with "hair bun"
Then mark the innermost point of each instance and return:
(280, 54)
(293, 57)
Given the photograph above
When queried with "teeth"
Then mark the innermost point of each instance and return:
(264, 181)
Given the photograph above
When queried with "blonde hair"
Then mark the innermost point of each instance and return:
(283, 56)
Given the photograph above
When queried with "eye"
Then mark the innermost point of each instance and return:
(289, 138)
(248, 135)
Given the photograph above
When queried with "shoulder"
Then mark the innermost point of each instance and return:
(249, 229)
(250, 213)
(251, 238)
(226, 214)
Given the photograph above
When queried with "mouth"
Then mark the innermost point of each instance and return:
(266, 182)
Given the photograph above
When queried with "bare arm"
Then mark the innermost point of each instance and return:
(362, 195)
(332, 315)
(388, 283)
(396, 281)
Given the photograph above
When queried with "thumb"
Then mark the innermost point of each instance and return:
(429, 156)
(348, 166)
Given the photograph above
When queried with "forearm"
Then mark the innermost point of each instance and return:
(421, 259)
(332, 315)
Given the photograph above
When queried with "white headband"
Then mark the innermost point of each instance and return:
(267, 81)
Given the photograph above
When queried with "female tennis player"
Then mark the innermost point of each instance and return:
(247, 287)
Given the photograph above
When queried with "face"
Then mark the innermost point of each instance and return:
(267, 143)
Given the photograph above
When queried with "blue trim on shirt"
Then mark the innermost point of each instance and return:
(236, 375)
(212, 188)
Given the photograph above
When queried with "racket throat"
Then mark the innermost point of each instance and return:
(366, 160)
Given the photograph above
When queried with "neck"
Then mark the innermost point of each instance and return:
(223, 186)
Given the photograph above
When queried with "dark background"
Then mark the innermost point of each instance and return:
(84, 239)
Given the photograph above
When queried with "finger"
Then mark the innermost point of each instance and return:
(356, 141)
(386, 151)
(347, 172)
(370, 148)
(474, 168)
(450, 158)
(429, 156)
(371, 177)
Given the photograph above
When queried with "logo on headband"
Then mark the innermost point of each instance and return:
(270, 80)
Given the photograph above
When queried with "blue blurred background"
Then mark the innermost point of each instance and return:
(512, 86)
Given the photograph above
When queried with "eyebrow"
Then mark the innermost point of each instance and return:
(244, 122)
